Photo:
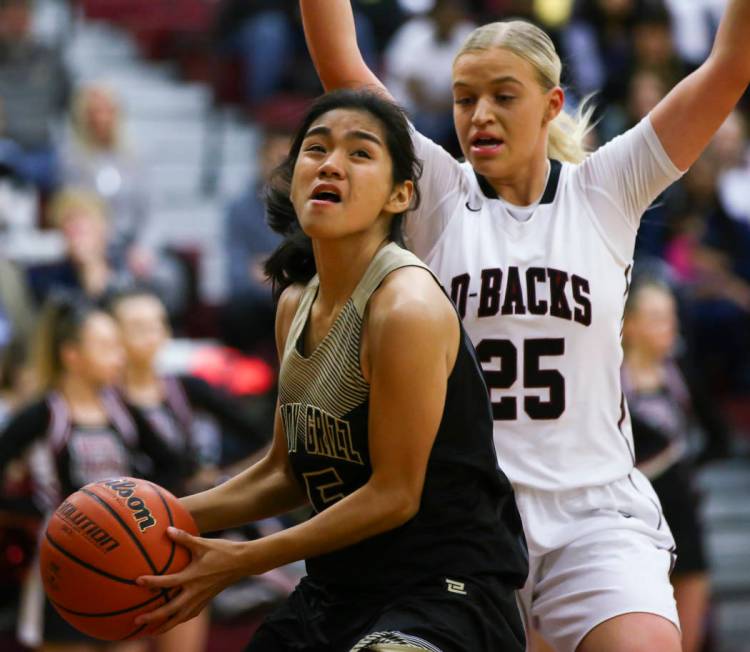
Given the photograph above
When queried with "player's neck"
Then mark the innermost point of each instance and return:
(525, 185)
(340, 264)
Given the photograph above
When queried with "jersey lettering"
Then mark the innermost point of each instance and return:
(324, 434)
(536, 290)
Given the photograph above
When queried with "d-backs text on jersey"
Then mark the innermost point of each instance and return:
(515, 291)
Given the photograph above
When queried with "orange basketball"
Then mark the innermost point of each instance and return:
(98, 542)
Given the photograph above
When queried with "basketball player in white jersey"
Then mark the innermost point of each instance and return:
(534, 239)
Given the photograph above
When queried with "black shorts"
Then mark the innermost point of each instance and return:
(441, 615)
(680, 501)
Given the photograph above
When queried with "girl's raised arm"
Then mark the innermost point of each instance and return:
(332, 41)
(690, 115)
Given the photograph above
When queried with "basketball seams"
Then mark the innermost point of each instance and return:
(85, 564)
(133, 536)
(170, 559)
(107, 614)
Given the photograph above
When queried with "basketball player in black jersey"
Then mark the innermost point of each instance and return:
(383, 424)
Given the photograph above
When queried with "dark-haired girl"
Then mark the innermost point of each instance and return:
(383, 425)
(76, 432)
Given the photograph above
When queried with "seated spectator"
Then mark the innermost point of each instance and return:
(598, 47)
(248, 320)
(82, 219)
(705, 254)
(653, 47)
(732, 147)
(425, 91)
(267, 37)
(96, 157)
(34, 89)
(665, 406)
(695, 25)
(16, 305)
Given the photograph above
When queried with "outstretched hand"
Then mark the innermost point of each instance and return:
(215, 565)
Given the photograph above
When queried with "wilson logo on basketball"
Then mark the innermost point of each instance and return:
(82, 523)
(141, 512)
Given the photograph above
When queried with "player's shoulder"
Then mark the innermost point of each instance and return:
(409, 298)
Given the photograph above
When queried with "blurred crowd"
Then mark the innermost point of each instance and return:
(76, 218)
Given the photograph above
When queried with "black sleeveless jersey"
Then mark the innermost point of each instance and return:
(467, 523)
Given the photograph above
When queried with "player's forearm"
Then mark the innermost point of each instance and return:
(730, 46)
(262, 491)
(365, 513)
(332, 41)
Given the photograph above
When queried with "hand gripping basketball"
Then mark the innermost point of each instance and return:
(216, 563)
(98, 542)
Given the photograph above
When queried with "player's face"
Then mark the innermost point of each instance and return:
(500, 112)
(98, 355)
(342, 182)
(143, 324)
(654, 322)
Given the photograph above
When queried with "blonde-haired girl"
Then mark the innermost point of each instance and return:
(534, 239)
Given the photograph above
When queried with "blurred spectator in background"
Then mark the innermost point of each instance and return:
(16, 383)
(34, 90)
(426, 91)
(705, 255)
(267, 37)
(598, 47)
(96, 157)
(248, 320)
(731, 147)
(665, 406)
(16, 305)
(82, 219)
(74, 432)
(653, 48)
(170, 403)
(695, 23)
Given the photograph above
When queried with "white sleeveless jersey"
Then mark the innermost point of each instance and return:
(543, 300)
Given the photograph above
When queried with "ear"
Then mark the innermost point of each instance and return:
(555, 103)
(400, 198)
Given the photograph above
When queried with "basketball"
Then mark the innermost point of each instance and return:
(98, 542)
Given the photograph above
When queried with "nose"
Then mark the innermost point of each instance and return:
(482, 112)
(331, 167)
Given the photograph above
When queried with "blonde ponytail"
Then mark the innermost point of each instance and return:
(567, 133)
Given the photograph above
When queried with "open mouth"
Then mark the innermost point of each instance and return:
(327, 195)
(486, 142)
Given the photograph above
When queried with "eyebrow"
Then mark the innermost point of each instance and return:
(322, 130)
(498, 80)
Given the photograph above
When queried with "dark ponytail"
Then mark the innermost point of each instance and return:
(293, 261)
